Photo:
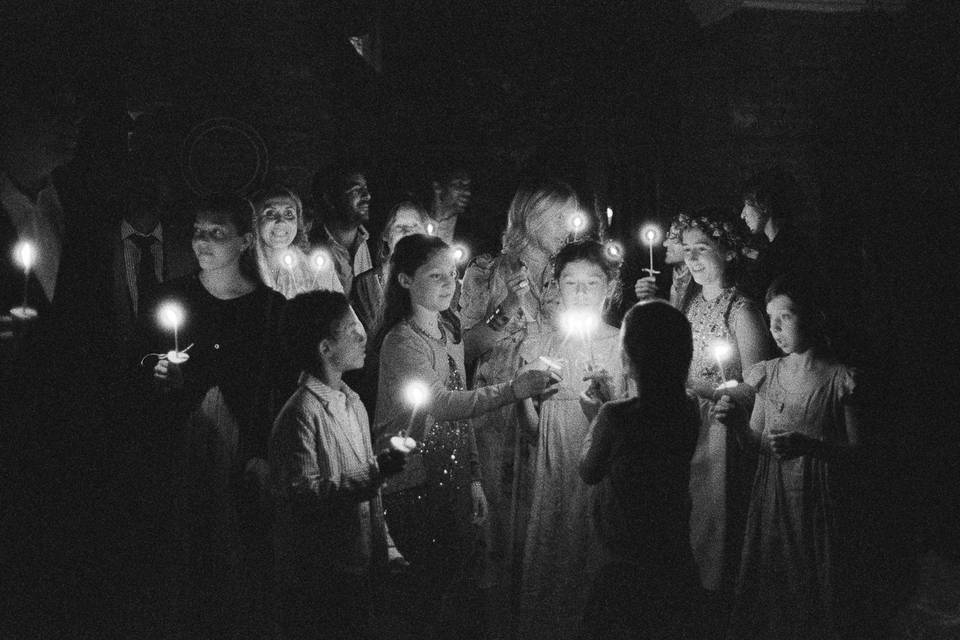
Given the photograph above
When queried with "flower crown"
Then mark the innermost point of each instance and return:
(726, 232)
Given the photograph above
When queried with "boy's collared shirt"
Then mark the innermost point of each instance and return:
(349, 266)
(328, 482)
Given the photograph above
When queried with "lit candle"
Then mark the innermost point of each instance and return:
(614, 251)
(609, 217)
(651, 235)
(582, 323)
(25, 254)
(431, 228)
(171, 316)
(415, 394)
(319, 262)
(288, 260)
(721, 352)
(460, 253)
(577, 223)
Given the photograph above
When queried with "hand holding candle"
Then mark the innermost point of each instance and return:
(171, 315)
(25, 255)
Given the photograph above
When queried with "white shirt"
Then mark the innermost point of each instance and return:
(41, 223)
(131, 257)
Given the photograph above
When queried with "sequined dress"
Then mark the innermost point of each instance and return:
(715, 459)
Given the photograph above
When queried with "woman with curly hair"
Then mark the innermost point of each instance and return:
(728, 337)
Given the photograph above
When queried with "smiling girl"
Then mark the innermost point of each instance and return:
(718, 314)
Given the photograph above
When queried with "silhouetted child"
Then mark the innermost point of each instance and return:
(639, 451)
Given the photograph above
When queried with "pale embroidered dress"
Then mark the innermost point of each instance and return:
(561, 552)
(709, 468)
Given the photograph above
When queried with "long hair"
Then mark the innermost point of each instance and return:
(533, 198)
(300, 241)
(410, 254)
(721, 226)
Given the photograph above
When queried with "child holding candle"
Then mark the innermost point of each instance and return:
(435, 518)
(280, 247)
(637, 451)
(331, 539)
(806, 423)
(719, 471)
(559, 550)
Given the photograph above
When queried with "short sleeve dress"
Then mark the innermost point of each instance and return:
(786, 587)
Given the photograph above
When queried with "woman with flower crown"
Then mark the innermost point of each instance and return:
(729, 336)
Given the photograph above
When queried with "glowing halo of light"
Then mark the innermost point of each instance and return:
(721, 350)
(416, 393)
(577, 222)
(614, 251)
(650, 234)
(460, 253)
(25, 254)
(170, 314)
(580, 323)
(319, 260)
(288, 260)
(431, 228)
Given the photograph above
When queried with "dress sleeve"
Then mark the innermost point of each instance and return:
(847, 387)
(756, 376)
(477, 290)
(405, 357)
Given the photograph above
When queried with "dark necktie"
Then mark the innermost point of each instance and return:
(146, 273)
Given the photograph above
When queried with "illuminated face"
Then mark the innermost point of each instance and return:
(583, 285)
(453, 196)
(355, 200)
(406, 222)
(754, 217)
(277, 222)
(433, 284)
(705, 257)
(786, 325)
(549, 228)
(216, 241)
(347, 349)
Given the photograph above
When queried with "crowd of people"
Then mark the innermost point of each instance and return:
(355, 438)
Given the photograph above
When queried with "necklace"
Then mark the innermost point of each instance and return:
(421, 331)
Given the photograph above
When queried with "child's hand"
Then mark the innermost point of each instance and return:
(534, 382)
(726, 411)
(791, 444)
(646, 288)
(168, 374)
(601, 384)
(590, 405)
(391, 460)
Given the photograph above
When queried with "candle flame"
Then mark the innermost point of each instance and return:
(722, 350)
(577, 222)
(318, 260)
(416, 393)
(651, 234)
(170, 315)
(431, 228)
(26, 254)
(609, 216)
(614, 251)
(288, 260)
(580, 322)
(460, 253)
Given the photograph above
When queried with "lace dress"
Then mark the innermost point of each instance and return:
(716, 460)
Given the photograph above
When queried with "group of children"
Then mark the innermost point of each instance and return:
(584, 484)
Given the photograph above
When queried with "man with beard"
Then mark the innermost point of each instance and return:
(341, 189)
(451, 197)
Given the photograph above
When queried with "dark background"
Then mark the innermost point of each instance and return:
(647, 107)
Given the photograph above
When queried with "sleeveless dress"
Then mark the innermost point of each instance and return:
(787, 583)
(561, 552)
(717, 463)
